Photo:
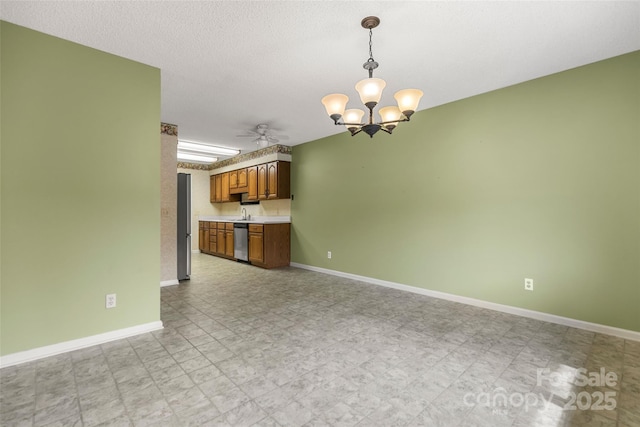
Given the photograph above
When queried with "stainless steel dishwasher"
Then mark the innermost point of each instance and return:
(240, 241)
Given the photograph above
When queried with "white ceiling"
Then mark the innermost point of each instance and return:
(230, 65)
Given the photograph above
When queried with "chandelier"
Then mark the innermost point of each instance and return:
(370, 91)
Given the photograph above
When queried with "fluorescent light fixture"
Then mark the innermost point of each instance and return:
(206, 148)
(196, 158)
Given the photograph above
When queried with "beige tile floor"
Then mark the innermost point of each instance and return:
(249, 347)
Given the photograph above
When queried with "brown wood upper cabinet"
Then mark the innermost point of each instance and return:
(219, 188)
(262, 182)
(238, 181)
(273, 180)
(233, 179)
(225, 187)
(215, 188)
(252, 178)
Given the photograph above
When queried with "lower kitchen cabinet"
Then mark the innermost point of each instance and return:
(213, 238)
(203, 237)
(228, 235)
(221, 240)
(256, 244)
(269, 244)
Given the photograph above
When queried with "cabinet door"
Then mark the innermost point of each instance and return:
(263, 189)
(272, 180)
(201, 242)
(229, 243)
(220, 242)
(212, 189)
(225, 187)
(256, 247)
(252, 178)
(218, 188)
(213, 246)
(242, 178)
(233, 179)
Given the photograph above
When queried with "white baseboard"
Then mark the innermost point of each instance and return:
(64, 347)
(169, 283)
(538, 315)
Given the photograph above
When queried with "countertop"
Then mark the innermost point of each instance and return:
(253, 220)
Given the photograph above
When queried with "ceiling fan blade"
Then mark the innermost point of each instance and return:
(265, 135)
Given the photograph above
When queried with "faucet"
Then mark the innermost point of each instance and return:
(244, 213)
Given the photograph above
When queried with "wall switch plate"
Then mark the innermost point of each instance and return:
(110, 301)
(329, 254)
(528, 284)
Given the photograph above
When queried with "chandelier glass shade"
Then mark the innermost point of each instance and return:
(370, 91)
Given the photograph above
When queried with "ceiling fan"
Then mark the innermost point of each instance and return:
(264, 136)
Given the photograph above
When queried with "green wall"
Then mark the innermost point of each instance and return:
(538, 180)
(80, 157)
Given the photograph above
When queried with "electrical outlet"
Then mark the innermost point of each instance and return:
(329, 254)
(110, 301)
(528, 284)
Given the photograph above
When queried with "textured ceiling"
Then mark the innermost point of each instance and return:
(230, 65)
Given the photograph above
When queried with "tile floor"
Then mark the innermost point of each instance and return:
(249, 347)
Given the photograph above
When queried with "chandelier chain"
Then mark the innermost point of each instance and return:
(370, 45)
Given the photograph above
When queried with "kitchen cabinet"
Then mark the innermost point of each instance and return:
(262, 182)
(238, 181)
(233, 179)
(256, 243)
(269, 245)
(207, 237)
(211, 236)
(224, 239)
(220, 240)
(219, 188)
(203, 236)
(225, 187)
(274, 180)
(215, 188)
(242, 178)
(228, 235)
(252, 183)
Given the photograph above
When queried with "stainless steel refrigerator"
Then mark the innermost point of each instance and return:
(184, 226)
